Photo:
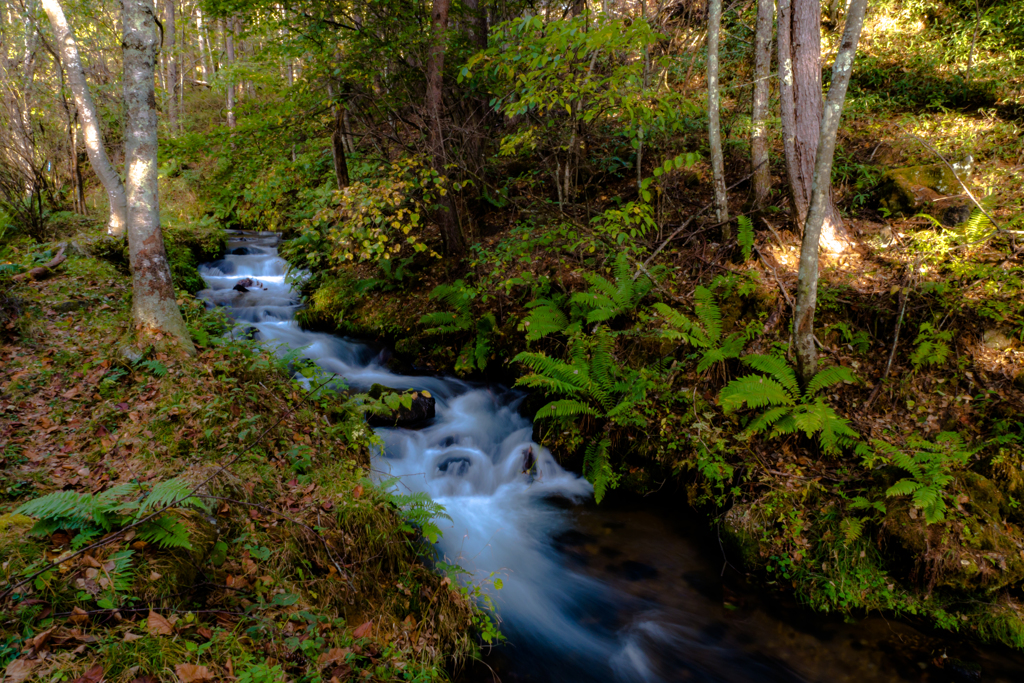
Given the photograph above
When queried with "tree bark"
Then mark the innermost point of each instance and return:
(714, 123)
(90, 122)
(229, 48)
(337, 142)
(454, 244)
(800, 92)
(153, 306)
(760, 110)
(172, 64)
(807, 276)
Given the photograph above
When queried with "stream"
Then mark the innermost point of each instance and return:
(590, 594)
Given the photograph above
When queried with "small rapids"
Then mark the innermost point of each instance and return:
(516, 515)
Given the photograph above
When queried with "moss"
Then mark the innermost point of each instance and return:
(741, 531)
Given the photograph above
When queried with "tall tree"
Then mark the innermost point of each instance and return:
(820, 200)
(454, 244)
(759, 111)
(172, 63)
(153, 306)
(714, 122)
(800, 86)
(97, 153)
(229, 49)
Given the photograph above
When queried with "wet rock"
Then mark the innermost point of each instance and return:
(243, 251)
(741, 531)
(130, 353)
(422, 408)
(931, 189)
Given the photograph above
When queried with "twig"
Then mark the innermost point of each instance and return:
(953, 171)
(107, 540)
(892, 354)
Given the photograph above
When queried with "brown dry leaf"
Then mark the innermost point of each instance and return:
(333, 656)
(93, 675)
(145, 679)
(191, 673)
(71, 393)
(129, 637)
(157, 625)
(41, 639)
(20, 670)
(362, 629)
(78, 616)
(357, 491)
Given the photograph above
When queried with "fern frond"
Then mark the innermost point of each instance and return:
(598, 469)
(745, 235)
(903, 487)
(682, 327)
(545, 318)
(171, 492)
(57, 504)
(778, 368)
(444, 322)
(154, 366)
(708, 312)
(564, 408)
(767, 419)
(826, 378)
(574, 375)
(166, 531)
(548, 384)
(756, 391)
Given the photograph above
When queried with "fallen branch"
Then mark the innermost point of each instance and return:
(44, 271)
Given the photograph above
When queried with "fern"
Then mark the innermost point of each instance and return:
(545, 317)
(931, 346)
(597, 468)
(930, 466)
(705, 333)
(606, 299)
(745, 235)
(459, 296)
(154, 366)
(789, 410)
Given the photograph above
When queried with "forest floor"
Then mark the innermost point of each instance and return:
(263, 465)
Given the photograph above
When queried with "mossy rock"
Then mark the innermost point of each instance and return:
(973, 549)
(741, 532)
(920, 189)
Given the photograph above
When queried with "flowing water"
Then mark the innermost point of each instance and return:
(588, 594)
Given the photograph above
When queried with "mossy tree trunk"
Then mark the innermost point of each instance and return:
(97, 153)
(820, 200)
(153, 306)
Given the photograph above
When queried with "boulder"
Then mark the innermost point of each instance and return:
(931, 189)
(422, 408)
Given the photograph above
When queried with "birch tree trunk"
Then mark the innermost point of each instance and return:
(153, 307)
(807, 276)
(759, 111)
(714, 123)
(454, 245)
(97, 153)
(172, 64)
(229, 47)
(800, 92)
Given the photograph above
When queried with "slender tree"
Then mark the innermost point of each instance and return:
(153, 307)
(820, 201)
(172, 63)
(229, 49)
(760, 109)
(451, 234)
(714, 122)
(90, 121)
(799, 46)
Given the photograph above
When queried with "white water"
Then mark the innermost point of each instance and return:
(472, 458)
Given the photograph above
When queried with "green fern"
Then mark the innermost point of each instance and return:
(705, 333)
(459, 296)
(931, 346)
(589, 383)
(607, 299)
(789, 410)
(930, 466)
(745, 235)
(545, 317)
(154, 366)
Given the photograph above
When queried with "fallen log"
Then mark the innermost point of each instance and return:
(44, 271)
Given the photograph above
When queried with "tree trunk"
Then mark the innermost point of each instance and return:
(337, 143)
(76, 169)
(807, 277)
(229, 48)
(454, 244)
(90, 123)
(172, 64)
(714, 123)
(800, 92)
(153, 307)
(760, 110)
